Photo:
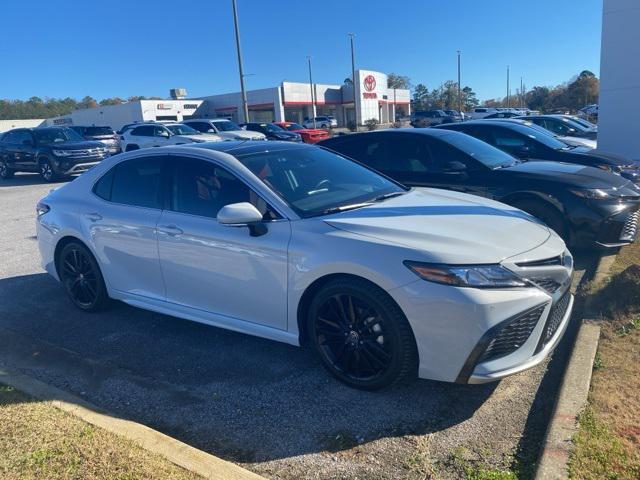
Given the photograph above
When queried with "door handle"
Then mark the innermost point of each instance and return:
(171, 230)
(93, 216)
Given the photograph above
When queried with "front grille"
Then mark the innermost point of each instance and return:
(554, 320)
(86, 153)
(630, 228)
(542, 263)
(548, 284)
(513, 335)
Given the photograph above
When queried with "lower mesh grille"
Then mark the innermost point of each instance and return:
(549, 284)
(630, 228)
(554, 320)
(512, 336)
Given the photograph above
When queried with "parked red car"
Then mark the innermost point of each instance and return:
(308, 135)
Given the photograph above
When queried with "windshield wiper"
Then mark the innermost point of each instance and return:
(380, 198)
(344, 208)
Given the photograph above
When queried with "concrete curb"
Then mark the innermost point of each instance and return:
(179, 453)
(604, 266)
(557, 446)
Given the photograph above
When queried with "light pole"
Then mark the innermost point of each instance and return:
(353, 74)
(245, 105)
(521, 93)
(508, 103)
(313, 97)
(459, 95)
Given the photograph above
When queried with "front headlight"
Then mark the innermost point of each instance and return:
(62, 153)
(475, 276)
(592, 193)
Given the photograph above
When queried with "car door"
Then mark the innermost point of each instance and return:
(9, 149)
(219, 269)
(142, 136)
(162, 136)
(25, 151)
(122, 219)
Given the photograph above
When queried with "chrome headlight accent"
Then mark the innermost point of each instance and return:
(475, 276)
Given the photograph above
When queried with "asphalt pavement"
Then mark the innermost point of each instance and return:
(267, 406)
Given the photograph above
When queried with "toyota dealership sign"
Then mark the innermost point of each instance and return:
(369, 84)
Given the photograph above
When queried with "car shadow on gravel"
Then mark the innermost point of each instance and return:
(239, 397)
(23, 179)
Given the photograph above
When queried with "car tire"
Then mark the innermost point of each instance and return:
(81, 277)
(5, 172)
(130, 148)
(368, 342)
(46, 170)
(548, 214)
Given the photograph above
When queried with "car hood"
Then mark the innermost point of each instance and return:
(76, 145)
(207, 137)
(569, 174)
(609, 158)
(586, 143)
(249, 135)
(445, 226)
(311, 131)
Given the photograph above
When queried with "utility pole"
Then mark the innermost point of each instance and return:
(313, 97)
(459, 95)
(508, 103)
(353, 75)
(245, 105)
(521, 94)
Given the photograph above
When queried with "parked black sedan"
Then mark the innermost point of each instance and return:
(54, 152)
(527, 143)
(584, 205)
(272, 131)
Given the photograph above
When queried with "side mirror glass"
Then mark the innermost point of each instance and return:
(242, 214)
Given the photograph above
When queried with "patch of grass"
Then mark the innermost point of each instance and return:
(39, 441)
(476, 469)
(607, 445)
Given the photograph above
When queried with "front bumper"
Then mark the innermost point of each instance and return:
(619, 229)
(462, 335)
(79, 168)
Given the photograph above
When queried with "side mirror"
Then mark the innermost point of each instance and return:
(522, 151)
(242, 214)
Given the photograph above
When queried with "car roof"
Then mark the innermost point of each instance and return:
(432, 132)
(249, 147)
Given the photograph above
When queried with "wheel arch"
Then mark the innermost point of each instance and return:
(63, 242)
(549, 200)
(314, 287)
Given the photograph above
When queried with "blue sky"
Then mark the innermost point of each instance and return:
(122, 47)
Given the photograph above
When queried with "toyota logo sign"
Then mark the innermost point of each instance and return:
(369, 83)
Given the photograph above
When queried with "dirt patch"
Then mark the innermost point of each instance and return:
(39, 441)
(608, 442)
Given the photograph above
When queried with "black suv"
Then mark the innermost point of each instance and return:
(54, 152)
(528, 143)
(102, 134)
(584, 205)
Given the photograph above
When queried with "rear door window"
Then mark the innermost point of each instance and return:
(144, 131)
(138, 182)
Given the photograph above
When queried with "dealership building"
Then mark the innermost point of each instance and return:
(291, 101)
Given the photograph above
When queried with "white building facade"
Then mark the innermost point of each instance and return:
(292, 101)
(619, 104)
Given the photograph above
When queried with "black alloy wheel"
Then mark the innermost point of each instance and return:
(5, 172)
(361, 335)
(46, 171)
(81, 277)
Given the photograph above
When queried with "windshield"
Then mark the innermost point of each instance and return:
(55, 135)
(98, 131)
(270, 127)
(546, 138)
(313, 181)
(584, 122)
(294, 126)
(226, 125)
(181, 129)
(486, 154)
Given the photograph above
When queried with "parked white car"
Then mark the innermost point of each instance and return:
(224, 128)
(326, 121)
(146, 135)
(481, 112)
(294, 243)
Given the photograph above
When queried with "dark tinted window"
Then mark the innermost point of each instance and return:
(21, 136)
(102, 187)
(9, 137)
(144, 131)
(137, 182)
(201, 126)
(202, 188)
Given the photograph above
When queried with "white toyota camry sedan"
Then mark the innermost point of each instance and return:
(297, 244)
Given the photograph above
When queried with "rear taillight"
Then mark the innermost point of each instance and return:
(42, 208)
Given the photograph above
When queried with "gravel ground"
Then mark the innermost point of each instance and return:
(267, 406)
